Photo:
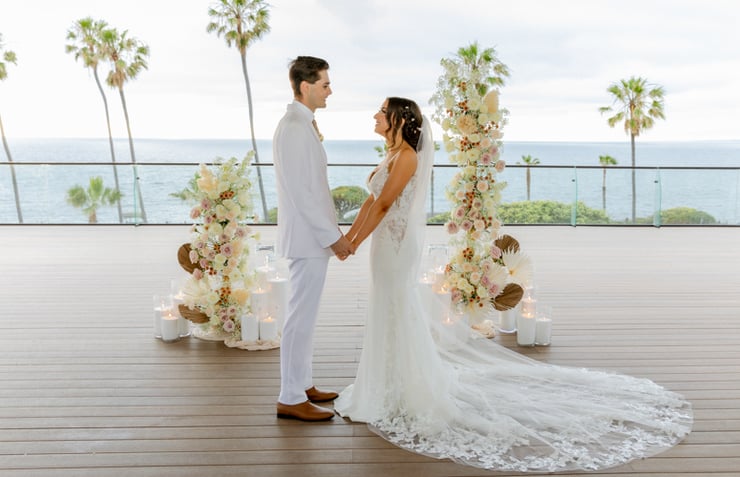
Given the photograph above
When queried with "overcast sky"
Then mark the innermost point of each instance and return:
(562, 54)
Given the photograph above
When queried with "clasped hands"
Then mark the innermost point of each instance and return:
(343, 248)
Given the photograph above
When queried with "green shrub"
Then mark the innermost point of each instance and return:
(549, 212)
(680, 216)
(348, 199)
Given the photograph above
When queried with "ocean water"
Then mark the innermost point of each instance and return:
(568, 171)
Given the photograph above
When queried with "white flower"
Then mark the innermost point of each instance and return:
(519, 266)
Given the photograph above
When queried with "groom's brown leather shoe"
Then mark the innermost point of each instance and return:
(314, 395)
(305, 411)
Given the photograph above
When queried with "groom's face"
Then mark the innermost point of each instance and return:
(315, 94)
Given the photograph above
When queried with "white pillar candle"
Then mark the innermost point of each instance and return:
(439, 279)
(544, 331)
(268, 329)
(250, 328)
(183, 324)
(159, 306)
(529, 306)
(278, 300)
(427, 278)
(526, 330)
(507, 322)
(259, 303)
(264, 274)
(170, 328)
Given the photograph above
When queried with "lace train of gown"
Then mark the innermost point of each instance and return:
(481, 404)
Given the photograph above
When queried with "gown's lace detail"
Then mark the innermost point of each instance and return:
(395, 221)
(479, 403)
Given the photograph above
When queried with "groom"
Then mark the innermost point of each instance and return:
(307, 235)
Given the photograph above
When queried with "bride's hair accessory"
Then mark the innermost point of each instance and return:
(404, 115)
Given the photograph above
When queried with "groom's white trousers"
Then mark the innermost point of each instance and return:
(307, 277)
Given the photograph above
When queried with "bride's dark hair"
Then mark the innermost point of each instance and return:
(404, 114)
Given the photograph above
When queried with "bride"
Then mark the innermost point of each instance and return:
(476, 403)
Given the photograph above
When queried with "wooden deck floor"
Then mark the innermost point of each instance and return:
(86, 391)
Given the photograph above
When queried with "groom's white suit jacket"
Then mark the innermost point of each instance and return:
(307, 221)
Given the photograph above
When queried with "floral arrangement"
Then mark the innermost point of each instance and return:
(218, 288)
(485, 267)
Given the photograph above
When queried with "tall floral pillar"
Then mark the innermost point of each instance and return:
(217, 292)
(486, 268)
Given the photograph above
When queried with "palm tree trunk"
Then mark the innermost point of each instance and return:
(634, 190)
(133, 157)
(110, 141)
(603, 192)
(12, 174)
(254, 141)
(529, 181)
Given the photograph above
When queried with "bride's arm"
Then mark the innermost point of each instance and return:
(360, 218)
(403, 169)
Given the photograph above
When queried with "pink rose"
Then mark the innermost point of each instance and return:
(466, 225)
(451, 228)
(195, 213)
(197, 273)
(229, 326)
(193, 255)
(500, 165)
(456, 295)
(482, 186)
(227, 250)
(486, 158)
(495, 252)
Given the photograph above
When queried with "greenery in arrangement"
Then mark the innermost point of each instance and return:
(241, 23)
(9, 57)
(92, 198)
(636, 104)
(485, 266)
(189, 194)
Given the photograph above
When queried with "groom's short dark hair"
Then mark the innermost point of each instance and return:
(305, 68)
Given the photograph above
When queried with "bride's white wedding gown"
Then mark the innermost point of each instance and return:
(479, 403)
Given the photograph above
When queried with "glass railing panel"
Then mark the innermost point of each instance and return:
(699, 196)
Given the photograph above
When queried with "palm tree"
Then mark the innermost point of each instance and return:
(484, 60)
(92, 198)
(637, 105)
(128, 56)
(241, 23)
(605, 161)
(84, 42)
(529, 161)
(7, 56)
